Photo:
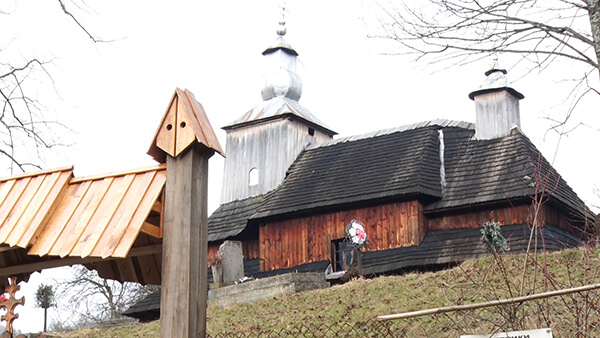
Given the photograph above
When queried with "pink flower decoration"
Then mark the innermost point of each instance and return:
(3, 298)
(359, 233)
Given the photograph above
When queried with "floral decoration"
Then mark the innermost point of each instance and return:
(356, 235)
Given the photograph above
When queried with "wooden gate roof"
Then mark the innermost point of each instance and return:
(50, 214)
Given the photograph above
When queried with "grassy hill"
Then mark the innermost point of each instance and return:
(473, 281)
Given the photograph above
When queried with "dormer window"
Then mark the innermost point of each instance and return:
(253, 177)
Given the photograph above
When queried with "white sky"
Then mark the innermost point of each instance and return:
(113, 95)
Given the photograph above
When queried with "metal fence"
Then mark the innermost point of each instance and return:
(370, 328)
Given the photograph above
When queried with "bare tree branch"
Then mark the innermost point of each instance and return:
(457, 28)
(64, 9)
(540, 32)
(26, 131)
(102, 299)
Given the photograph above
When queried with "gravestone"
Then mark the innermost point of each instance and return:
(233, 261)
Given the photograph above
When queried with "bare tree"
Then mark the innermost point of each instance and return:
(463, 31)
(26, 131)
(539, 31)
(100, 299)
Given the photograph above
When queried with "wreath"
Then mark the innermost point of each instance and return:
(355, 234)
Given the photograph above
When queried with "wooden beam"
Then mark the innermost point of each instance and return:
(157, 207)
(497, 302)
(54, 263)
(9, 248)
(151, 230)
(162, 213)
(184, 279)
(145, 250)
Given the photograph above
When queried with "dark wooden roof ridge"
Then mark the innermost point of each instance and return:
(457, 245)
(342, 173)
(288, 115)
(442, 123)
(149, 303)
(556, 187)
(286, 108)
(231, 218)
(502, 169)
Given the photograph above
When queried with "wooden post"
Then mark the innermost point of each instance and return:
(185, 141)
(184, 279)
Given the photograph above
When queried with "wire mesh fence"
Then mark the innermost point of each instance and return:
(568, 315)
(370, 328)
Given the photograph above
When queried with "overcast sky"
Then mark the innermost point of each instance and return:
(114, 94)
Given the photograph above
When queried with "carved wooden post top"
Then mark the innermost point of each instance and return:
(184, 123)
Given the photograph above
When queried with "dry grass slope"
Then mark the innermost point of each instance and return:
(363, 299)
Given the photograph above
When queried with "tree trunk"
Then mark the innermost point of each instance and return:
(594, 12)
(45, 316)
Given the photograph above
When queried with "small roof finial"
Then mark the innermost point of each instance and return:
(495, 67)
(495, 62)
(495, 79)
(281, 30)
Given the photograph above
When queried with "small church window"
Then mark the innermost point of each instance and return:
(253, 179)
(311, 131)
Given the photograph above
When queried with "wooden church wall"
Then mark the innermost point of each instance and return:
(520, 214)
(474, 219)
(270, 148)
(288, 243)
(554, 216)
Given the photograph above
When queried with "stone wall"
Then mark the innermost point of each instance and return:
(266, 288)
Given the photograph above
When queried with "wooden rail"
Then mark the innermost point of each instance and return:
(490, 303)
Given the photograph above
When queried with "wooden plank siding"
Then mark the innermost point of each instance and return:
(519, 214)
(292, 242)
(288, 243)
(270, 147)
(559, 219)
(474, 219)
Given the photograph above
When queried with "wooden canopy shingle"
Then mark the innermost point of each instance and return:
(112, 223)
(25, 201)
(101, 216)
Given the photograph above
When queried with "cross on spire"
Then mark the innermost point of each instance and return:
(282, 30)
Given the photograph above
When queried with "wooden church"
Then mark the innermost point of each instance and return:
(290, 188)
(422, 191)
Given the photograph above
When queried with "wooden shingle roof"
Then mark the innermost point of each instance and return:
(379, 167)
(481, 171)
(26, 200)
(406, 162)
(101, 216)
(231, 218)
(111, 223)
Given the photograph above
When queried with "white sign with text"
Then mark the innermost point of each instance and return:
(538, 333)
